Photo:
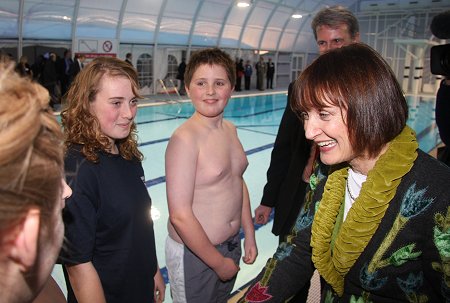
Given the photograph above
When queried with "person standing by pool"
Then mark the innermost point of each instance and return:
(110, 254)
(293, 155)
(248, 71)
(207, 196)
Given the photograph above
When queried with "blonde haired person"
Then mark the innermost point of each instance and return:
(32, 188)
(111, 254)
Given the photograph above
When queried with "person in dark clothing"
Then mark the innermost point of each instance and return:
(77, 66)
(248, 71)
(180, 76)
(292, 155)
(270, 73)
(239, 74)
(110, 254)
(65, 68)
(49, 78)
(443, 118)
(37, 67)
(129, 59)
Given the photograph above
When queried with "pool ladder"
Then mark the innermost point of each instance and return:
(174, 87)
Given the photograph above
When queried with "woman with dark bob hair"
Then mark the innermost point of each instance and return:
(375, 224)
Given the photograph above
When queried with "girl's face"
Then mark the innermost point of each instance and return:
(210, 90)
(115, 107)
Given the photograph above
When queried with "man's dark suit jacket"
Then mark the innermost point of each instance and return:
(285, 189)
(75, 69)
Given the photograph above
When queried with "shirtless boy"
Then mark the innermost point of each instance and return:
(207, 196)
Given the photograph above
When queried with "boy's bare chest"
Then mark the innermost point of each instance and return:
(221, 156)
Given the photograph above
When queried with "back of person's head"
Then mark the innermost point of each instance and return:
(210, 56)
(80, 56)
(333, 17)
(358, 80)
(80, 125)
(23, 59)
(128, 56)
(31, 149)
(31, 164)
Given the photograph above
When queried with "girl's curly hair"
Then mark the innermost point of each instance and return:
(81, 126)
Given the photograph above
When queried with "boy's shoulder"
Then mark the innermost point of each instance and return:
(187, 128)
(186, 134)
(229, 124)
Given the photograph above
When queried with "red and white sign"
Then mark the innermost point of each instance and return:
(93, 48)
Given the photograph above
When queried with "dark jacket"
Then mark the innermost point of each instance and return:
(285, 189)
(443, 112)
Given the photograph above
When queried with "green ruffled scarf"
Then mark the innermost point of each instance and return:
(333, 263)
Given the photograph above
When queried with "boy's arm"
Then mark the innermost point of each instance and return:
(250, 249)
(181, 164)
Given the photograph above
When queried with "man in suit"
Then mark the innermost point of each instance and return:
(64, 68)
(292, 155)
(77, 65)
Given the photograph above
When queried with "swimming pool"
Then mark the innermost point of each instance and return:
(257, 119)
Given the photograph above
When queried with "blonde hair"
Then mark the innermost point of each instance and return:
(31, 149)
(80, 125)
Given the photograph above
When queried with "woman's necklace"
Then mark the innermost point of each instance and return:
(349, 191)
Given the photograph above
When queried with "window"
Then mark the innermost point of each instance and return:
(144, 68)
(172, 67)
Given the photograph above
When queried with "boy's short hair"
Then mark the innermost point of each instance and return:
(210, 56)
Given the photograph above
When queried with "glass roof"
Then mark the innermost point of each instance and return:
(264, 25)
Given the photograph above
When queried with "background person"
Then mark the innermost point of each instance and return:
(248, 71)
(180, 76)
(110, 255)
(32, 188)
(49, 78)
(260, 73)
(129, 58)
(239, 74)
(77, 66)
(270, 73)
(374, 223)
(292, 155)
(207, 196)
(64, 66)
